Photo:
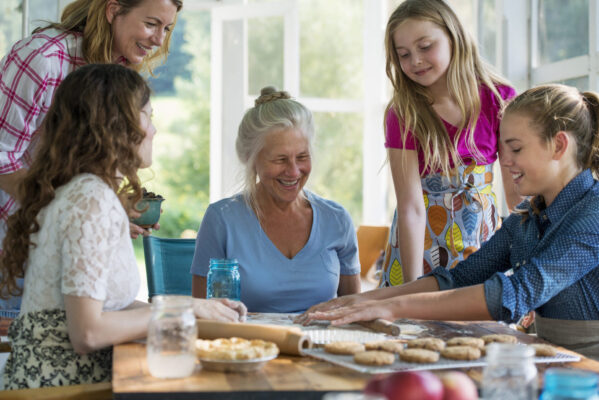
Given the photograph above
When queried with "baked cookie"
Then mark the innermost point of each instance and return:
(391, 346)
(429, 343)
(461, 353)
(419, 356)
(499, 338)
(466, 341)
(544, 350)
(235, 349)
(344, 347)
(374, 357)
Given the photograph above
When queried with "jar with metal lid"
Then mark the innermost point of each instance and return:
(570, 384)
(223, 279)
(172, 333)
(510, 373)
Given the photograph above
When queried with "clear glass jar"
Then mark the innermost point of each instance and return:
(172, 333)
(223, 279)
(570, 384)
(510, 373)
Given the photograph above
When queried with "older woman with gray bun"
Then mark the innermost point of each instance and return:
(295, 249)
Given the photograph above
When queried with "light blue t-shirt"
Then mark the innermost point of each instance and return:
(271, 282)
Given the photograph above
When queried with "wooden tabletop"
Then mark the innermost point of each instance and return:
(286, 376)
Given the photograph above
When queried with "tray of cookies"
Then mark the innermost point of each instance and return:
(385, 356)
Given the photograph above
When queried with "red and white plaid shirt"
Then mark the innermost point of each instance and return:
(29, 75)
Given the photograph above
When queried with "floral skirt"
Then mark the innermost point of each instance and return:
(42, 354)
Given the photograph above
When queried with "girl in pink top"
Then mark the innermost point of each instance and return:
(442, 138)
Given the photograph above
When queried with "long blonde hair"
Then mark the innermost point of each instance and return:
(412, 103)
(89, 18)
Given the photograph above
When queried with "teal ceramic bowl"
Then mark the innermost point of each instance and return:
(151, 215)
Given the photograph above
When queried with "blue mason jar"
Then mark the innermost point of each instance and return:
(223, 279)
(569, 384)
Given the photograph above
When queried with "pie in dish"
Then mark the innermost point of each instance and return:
(235, 349)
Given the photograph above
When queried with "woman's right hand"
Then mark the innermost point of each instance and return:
(223, 310)
(335, 303)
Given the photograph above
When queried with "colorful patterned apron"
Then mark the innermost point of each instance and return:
(461, 214)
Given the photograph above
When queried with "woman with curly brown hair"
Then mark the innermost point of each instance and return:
(133, 33)
(70, 237)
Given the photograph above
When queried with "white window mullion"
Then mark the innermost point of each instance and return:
(25, 19)
(374, 178)
(561, 70)
(593, 32)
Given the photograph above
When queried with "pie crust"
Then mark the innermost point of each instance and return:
(235, 349)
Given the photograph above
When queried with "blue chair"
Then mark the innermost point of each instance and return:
(167, 265)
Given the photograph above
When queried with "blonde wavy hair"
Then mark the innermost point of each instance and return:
(92, 126)
(412, 103)
(89, 18)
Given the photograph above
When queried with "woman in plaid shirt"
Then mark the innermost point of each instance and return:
(135, 33)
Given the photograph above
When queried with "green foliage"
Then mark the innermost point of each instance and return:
(10, 24)
(331, 48)
(265, 53)
(563, 31)
(337, 162)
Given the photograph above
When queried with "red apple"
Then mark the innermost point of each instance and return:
(410, 385)
(374, 385)
(458, 386)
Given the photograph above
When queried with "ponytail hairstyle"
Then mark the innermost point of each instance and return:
(554, 108)
(88, 17)
(273, 111)
(412, 103)
(93, 126)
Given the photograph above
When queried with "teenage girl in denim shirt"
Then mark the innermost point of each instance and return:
(549, 142)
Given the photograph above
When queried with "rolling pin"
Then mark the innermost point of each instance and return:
(382, 326)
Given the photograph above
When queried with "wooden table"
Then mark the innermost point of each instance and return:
(285, 377)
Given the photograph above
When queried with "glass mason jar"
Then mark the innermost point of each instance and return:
(569, 384)
(171, 340)
(223, 279)
(510, 373)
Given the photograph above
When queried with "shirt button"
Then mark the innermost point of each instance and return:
(517, 264)
(538, 236)
(544, 217)
(523, 262)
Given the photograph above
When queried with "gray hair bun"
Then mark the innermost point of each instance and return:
(270, 93)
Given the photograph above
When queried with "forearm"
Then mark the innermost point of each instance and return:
(198, 286)
(137, 304)
(428, 284)
(464, 304)
(411, 224)
(9, 183)
(348, 284)
(91, 329)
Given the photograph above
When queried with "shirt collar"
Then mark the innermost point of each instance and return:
(569, 196)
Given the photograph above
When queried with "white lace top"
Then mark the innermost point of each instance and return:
(83, 248)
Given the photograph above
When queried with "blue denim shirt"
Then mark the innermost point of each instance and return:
(554, 256)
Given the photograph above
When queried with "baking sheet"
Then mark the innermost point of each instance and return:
(398, 365)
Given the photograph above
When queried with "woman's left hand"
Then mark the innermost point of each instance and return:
(136, 230)
(224, 310)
